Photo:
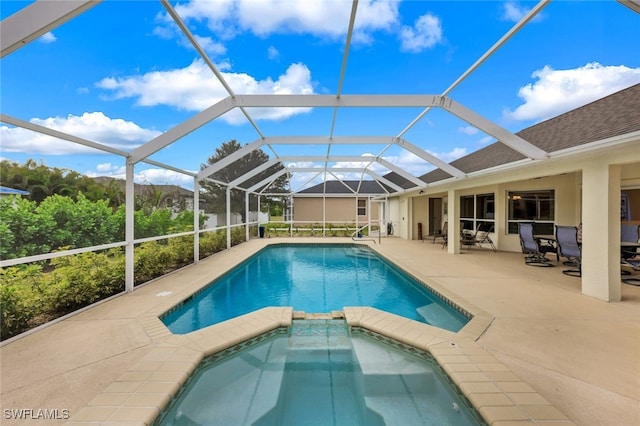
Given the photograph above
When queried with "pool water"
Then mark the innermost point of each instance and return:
(313, 279)
(319, 374)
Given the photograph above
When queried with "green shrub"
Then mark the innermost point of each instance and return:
(17, 302)
(151, 260)
(34, 294)
(80, 280)
(212, 242)
(181, 251)
(237, 236)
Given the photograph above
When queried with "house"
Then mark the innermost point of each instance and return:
(591, 177)
(172, 196)
(350, 202)
(6, 192)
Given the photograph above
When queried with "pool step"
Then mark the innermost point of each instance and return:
(437, 314)
(333, 315)
(386, 379)
(360, 252)
(386, 372)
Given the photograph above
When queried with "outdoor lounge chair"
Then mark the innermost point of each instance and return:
(629, 259)
(442, 233)
(468, 236)
(569, 248)
(533, 255)
(482, 237)
(631, 271)
(629, 233)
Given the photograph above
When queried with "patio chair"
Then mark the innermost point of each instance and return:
(629, 233)
(468, 237)
(569, 248)
(629, 260)
(631, 271)
(482, 237)
(533, 255)
(440, 234)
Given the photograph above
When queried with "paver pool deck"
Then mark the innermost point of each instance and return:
(537, 351)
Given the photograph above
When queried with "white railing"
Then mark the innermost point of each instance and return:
(358, 232)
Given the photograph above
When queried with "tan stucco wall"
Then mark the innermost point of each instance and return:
(307, 209)
(342, 210)
(562, 174)
(419, 214)
(567, 210)
(337, 210)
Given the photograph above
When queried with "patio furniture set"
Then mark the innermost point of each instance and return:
(567, 244)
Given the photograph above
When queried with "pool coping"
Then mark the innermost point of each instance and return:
(139, 395)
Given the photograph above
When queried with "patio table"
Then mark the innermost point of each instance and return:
(547, 240)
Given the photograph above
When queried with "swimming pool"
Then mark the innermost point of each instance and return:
(314, 278)
(319, 374)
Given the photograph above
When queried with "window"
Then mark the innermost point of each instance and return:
(362, 207)
(477, 210)
(528, 206)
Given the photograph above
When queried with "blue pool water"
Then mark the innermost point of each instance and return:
(319, 375)
(313, 279)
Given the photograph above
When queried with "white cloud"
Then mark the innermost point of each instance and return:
(47, 38)
(164, 177)
(486, 140)
(93, 126)
(426, 33)
(326, 19)
(273, 54)
(209, 45)
(468, 130)
(110, 168)
(195, 88)
(512, 11)
(559, 91)
(449, 156)
(152, 175)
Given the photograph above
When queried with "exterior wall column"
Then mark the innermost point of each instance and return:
(601, 231)
(453, 225)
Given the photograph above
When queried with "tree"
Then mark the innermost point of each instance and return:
(42, 181)
(215, 194)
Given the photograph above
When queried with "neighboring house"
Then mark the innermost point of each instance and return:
(339, 202)
(5, 192)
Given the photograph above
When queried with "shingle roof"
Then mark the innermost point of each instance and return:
(613, 115)
(11, 191)
(367, 187)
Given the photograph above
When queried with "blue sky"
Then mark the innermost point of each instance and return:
(121, 73)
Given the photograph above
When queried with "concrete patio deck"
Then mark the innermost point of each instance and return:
(580, 354)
